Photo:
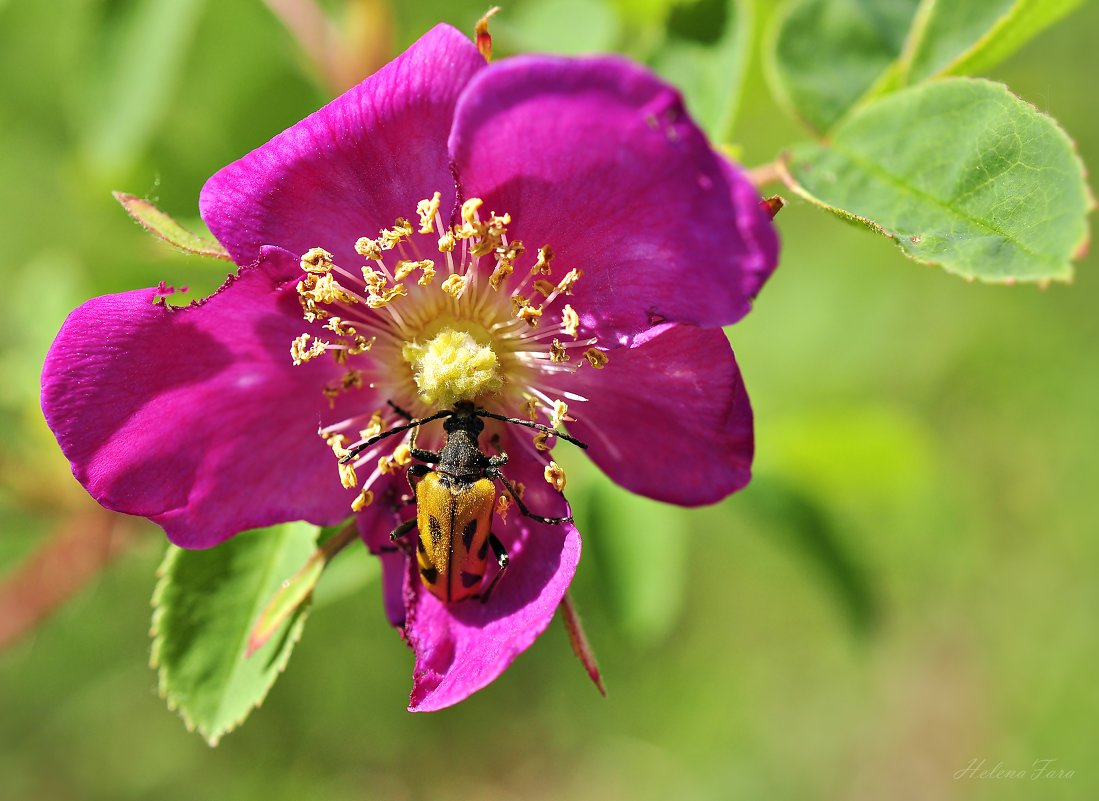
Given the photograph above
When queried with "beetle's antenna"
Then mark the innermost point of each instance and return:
(362, 446)
(529, 424)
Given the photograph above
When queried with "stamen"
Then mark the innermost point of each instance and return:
(570, 321)
(364, 499)
(316, 260)
(301, 351)
(596, 358)
(503, 506)
(555, 476)
(427, 209)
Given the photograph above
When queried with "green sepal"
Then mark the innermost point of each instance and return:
(164, 227)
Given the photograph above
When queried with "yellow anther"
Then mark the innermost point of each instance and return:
(558, 353)
(544, 286)
(503, 269)
(569, 281)
(428, 268)
(427, 209)
(518, 302)
(331, 392)
(402, 455)
(570, 321)
(364, 499)
(404, 269)
(511, 251)
(530, 315)
(352, 379)
(335, 442)
(447, 241)
(337, 326)
(326, 289)
(519, 488)
(470, 226)
(375, 280)
(560, 413)
(503, 506)
(530, 406)
(374, 427)
(389, 238)
(362, 345)
(540, 440)
(379, 299)
(386, 465)
(347, 475)
(301, 351)
(545, 256)
(368, 248)
(454, 286)
(596, 358)
(555, 476)
(317, 260)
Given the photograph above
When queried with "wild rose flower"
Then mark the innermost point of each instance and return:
(551, 238)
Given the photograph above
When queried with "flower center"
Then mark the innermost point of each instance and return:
(439, 315)
(453, 365)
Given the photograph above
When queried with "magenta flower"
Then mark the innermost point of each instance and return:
(640, 243)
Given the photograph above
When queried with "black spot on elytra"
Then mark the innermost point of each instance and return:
(436, 531)
(483, 552)
(469, 579)
(420, 545)
(429, 574)
(467, 535)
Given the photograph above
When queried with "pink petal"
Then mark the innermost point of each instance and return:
(670, 418)
(195, 417)
(352, 167)
(376, 523)
(464, 646)
(598, 158)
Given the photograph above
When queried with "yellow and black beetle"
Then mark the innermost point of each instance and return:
(454, 501)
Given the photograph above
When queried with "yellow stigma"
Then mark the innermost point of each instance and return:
(453, 366)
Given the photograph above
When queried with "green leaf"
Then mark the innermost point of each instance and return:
(711, 76)
(959, 173)
(829, 56)
(824, 55)
(205, 605)
(161, 225)
(297, 591)
(970, 38)
(641, 553)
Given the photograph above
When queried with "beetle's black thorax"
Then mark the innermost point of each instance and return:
(461, 456)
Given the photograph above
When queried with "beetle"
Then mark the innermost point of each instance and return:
(454, 501)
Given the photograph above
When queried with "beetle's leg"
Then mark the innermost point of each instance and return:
(417, 471)
(498, 461)
(431, 457)
(397, 537)
(493, 472)
(502, 560)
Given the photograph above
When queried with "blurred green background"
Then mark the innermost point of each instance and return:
(908, 585)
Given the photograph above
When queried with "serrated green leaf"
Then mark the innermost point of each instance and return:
(824, 55)
(205, 605)
(959, 173)
(161, 225)
(711, 76)
(641, 553)
(829, 56)
(969, 38)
